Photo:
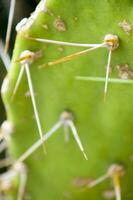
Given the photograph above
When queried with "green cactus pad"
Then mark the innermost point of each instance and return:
(105, 128)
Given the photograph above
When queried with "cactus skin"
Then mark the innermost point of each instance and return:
(105, 128)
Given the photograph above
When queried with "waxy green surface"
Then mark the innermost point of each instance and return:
(105, 128)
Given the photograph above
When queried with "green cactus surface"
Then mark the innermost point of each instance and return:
(105, 127)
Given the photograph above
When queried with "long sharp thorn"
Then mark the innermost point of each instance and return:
(66, 133)
(37, 144)
(5, 57)
(97, 181)
(102, 79)
(71, 57)
(76, 136)
(63, 43)
(107, 74)
(34, 102)
(23, 180)
(18, 81)
(9, 26)
(116, 182)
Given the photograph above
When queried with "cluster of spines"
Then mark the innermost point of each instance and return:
(111, 42)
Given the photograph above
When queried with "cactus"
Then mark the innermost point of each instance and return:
(69, 98)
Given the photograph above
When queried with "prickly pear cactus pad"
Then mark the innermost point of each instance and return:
(105, 126)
